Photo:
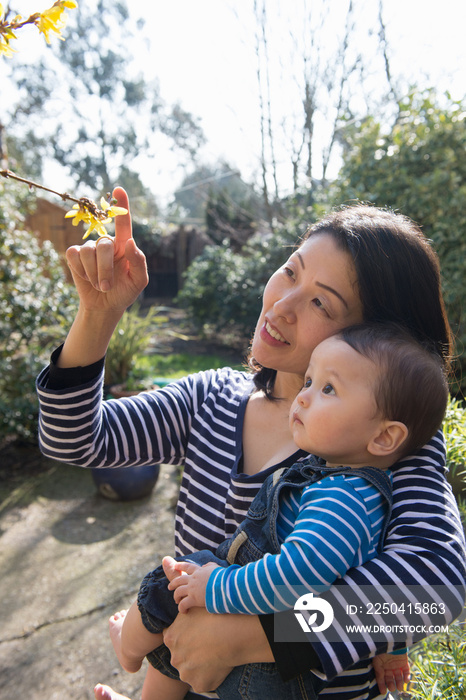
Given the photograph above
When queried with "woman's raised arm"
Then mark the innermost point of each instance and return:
(109, 275)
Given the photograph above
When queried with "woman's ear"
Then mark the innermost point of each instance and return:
(388, 439)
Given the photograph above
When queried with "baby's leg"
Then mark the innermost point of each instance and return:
(131, 640)
(159, 687)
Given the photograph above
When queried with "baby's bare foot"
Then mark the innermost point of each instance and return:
(104, 692)
(115, 624)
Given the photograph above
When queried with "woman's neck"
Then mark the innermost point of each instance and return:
(287, 386)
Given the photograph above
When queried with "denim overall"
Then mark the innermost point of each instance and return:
(256, 536)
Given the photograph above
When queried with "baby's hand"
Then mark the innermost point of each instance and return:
(391, 671)
(190, 586)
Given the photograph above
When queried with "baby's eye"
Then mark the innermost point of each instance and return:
(328, 389)
(307, 383)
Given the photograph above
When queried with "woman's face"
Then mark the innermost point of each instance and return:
(312, 296)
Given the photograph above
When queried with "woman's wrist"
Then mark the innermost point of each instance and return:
(69, 377)
(88, 339)
(248, 641)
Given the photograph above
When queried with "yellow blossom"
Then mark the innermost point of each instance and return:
(97, 226)
(79, 214)
(5, 48)
(53, 20)
(111, 210)
(87, 212)
(6, 33)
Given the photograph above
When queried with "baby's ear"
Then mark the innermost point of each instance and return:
(389, 439)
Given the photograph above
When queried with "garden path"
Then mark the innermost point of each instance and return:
(68, 559)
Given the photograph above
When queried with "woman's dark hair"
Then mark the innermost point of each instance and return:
(398, 276)
(411, 384)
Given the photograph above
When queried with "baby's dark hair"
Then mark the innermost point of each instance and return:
(412, 385)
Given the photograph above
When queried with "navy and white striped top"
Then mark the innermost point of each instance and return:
(327, 528)
(198, 422)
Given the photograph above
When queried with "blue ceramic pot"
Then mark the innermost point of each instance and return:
(126, 483)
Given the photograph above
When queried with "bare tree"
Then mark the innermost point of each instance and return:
(263, 80)
(385, 51)
(330, 45)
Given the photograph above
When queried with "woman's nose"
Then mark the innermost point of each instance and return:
(286, 306)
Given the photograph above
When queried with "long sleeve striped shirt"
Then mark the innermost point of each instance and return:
(198, 422)
(328, 528)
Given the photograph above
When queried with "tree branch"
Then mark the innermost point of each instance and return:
(12, 176)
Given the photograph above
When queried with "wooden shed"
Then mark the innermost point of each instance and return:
(166, 264)
(49, 224)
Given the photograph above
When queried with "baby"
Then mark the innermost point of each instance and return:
(372, 395)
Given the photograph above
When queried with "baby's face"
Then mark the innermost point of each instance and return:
(335, 414)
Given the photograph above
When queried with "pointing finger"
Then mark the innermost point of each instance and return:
(123, 228)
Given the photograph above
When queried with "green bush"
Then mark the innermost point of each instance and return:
(418, 167)
(34, 295)
(454, 428)
(132, 336)
(222, 290)
(438, 667)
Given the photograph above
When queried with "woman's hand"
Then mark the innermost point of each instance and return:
(195, 643)
(205, 647)
(109, 274)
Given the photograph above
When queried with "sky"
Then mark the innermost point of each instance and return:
(203, 53)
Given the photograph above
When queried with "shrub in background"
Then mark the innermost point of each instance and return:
(418, 167)
(34, 296)
(132, 336)
(438, 667)
(222, 289)
(454, 429)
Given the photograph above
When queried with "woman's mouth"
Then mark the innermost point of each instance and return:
(275, 334)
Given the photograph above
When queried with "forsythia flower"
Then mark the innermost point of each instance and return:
(5, 47)
(111, 210)
(80, 215)
(87, 212)
(6, 33)
(52, 20)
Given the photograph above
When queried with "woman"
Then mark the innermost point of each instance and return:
(230, 431)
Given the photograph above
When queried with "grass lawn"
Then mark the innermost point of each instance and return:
(177, 365)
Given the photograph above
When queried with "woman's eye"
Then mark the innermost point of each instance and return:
(317, 302)
(328, 389)
(290, 272)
